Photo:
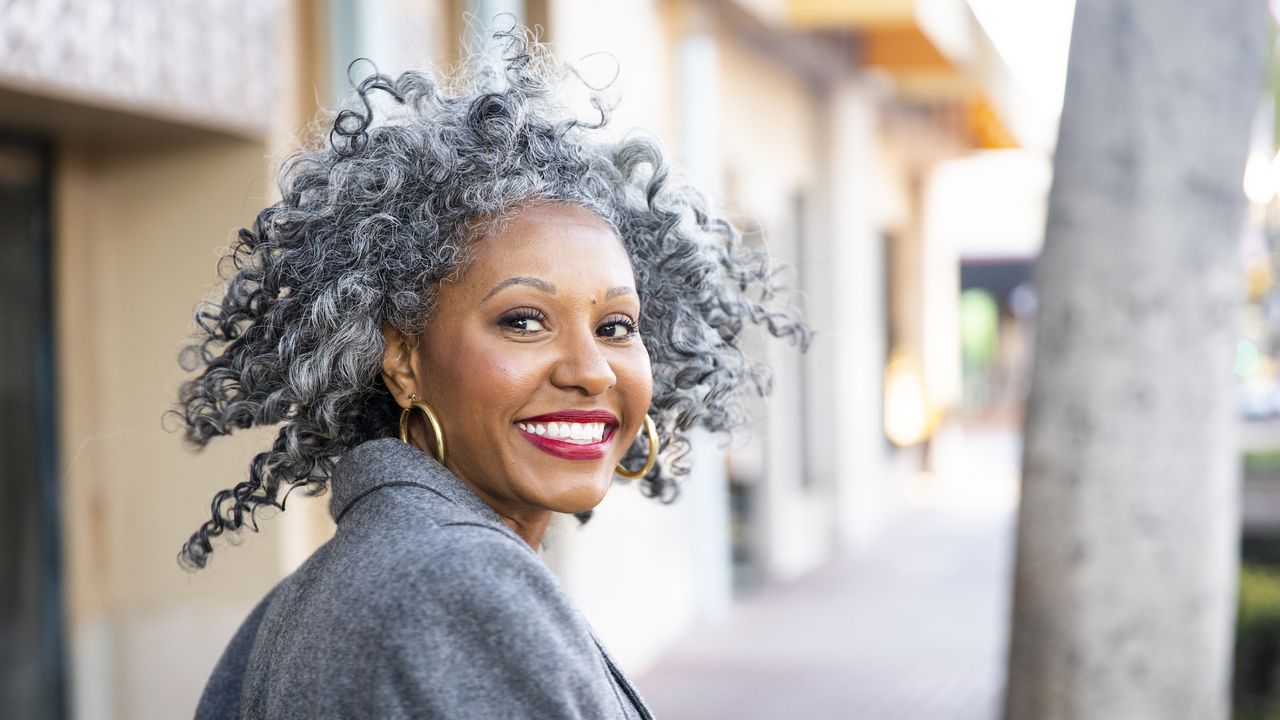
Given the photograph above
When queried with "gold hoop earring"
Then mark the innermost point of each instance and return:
(416, 404)
(650, 460)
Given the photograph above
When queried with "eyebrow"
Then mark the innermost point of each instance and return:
(532, 282)
(544, 286)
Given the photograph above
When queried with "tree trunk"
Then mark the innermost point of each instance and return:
(1124, 598)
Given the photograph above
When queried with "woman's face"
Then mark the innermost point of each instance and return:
(532, 362)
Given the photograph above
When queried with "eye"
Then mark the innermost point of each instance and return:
(524, 321)
(617, 327)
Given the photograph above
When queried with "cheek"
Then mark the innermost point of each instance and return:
(635, 381)
(484, 376)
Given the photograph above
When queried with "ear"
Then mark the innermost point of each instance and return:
(397, 364)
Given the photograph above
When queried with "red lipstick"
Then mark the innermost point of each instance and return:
(570, 450)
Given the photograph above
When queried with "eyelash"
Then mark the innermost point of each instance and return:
(510, 319)
(625, 322)
(520, 314)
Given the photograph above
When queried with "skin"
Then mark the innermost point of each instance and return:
(482, 369)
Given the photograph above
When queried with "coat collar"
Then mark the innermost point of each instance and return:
(389, 461)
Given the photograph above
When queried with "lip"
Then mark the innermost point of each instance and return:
(567, 450)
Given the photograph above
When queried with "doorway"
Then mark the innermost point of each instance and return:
(31, 618)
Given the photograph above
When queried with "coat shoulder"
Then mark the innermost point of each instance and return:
(414, 613)
(472, 564)
(485, 630)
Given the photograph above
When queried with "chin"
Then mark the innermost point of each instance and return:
(580, 494)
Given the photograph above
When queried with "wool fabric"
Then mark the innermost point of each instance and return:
(424, 604)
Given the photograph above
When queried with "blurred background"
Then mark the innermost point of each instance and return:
(848, 555)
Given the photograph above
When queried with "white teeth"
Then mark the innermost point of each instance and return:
(580, 433)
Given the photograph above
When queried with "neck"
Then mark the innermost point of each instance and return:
(530, 527)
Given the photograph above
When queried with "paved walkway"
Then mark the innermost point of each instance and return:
(913, 629)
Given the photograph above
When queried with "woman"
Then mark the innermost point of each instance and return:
(462, 311)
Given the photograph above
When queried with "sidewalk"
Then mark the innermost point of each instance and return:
(915, 628)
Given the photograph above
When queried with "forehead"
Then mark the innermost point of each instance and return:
(564, 244)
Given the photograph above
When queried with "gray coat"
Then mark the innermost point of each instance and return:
(425, 604)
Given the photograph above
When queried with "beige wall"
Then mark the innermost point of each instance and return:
(765, 97)
(138, 229)
(924, 274)
(631, 39)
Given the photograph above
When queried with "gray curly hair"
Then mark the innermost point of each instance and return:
(370, 223)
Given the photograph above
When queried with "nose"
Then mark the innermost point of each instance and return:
(582, 365)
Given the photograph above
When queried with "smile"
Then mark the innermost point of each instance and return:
(571, 434)
(576, 433)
